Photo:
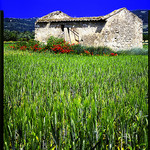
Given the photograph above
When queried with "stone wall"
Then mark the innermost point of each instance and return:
(122, 31)
(84, 32)
(43, 32)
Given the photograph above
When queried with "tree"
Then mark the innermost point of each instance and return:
(145, 37)
(16, 35)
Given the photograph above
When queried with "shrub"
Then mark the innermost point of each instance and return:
(18, 36)
(54, 41)
(20, 44)
(31, 45)
(145, 37)
(135, 51)
(56, 45)
(61, 49)
(91, 50)
(10, 35)
(145, 46)
(78, 49)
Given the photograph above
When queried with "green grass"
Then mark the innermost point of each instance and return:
(145, 46)
(75, 102)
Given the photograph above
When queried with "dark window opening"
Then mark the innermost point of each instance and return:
(62, 28)
(68, 30)
(41, 24)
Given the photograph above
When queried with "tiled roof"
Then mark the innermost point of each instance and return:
(71, 19)
(59, 16)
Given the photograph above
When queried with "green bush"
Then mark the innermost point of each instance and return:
(18, 36)
(10, 35)
(145, 46)
(78, 49)
(25, 36)
(59, 45)
(135, 51)
(92, 50)
(54, 41)
(20, 44)
(99, 50)
(31, 45)
(145, 37)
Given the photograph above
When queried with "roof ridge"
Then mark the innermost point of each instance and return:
(50, 15)
(114, 12)
(48, 18)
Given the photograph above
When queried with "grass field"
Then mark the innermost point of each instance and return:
(63, 102)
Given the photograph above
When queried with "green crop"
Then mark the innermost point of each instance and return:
(75, 102)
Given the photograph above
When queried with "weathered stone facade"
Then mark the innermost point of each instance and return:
(120, 29)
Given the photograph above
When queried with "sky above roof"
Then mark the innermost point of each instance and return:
(77, 8)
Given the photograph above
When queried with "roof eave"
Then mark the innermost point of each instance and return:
(70, 20)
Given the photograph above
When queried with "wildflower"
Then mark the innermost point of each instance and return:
(87, 52)
(113, 54)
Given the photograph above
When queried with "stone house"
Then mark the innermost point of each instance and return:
(121, 29)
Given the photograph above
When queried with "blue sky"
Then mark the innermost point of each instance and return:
(76, 8)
